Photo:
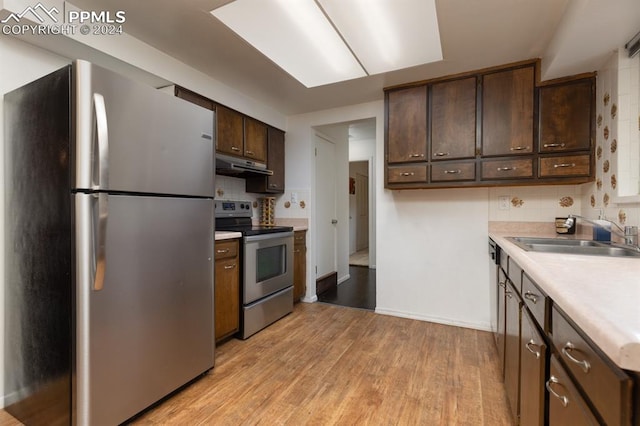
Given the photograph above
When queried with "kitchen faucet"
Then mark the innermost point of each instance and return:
(629, 233)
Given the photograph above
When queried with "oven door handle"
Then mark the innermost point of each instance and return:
(270, 236)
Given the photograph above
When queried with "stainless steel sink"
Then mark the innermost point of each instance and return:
(570, 246)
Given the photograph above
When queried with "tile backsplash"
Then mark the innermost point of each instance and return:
(534, 203)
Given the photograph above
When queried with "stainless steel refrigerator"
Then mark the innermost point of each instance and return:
(109, 189)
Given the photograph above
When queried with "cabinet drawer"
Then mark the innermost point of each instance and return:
(300, 238)
(566, 405)
(537, 302)
(225, 249)
(606, 386)
(443, 172)
(571, 165)
(507, 169)
(406, 174)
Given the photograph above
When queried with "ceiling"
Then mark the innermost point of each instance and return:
(571, 36)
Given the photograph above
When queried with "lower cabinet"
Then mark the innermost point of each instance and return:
(299, 264)
(533, 368)
(513, 309)
(227, 289)
(553, 373)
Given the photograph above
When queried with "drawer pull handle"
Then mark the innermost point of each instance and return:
(553, 380)
(508, 294)
(249, 152)
(505, 169)
(235, 148)
(229, 266)
(416, 155)
(503, 284)
(440, 154)
(529, 345)
(222, 251)
(407, 174)
(530, 296)
(566, 351)
(519, 148)
(273, 185)
(553, 145)
(557, 166)
(453, 172)
(296, 251)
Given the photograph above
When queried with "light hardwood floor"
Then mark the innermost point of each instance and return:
(326, 365)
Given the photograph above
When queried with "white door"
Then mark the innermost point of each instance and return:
(326, 242)
(362, 208)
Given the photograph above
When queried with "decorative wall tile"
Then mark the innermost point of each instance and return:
(614, 110)
(599, 120)
(593, 200)
(599, 184)
(614, 181)
(606, 99)
(614, 146)
(606, 132)
(599, 152)
(566, 202)
(517, 202)
(606, 166)
(622, 217)
(605, 200)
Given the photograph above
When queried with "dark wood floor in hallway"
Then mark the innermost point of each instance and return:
(359, 291)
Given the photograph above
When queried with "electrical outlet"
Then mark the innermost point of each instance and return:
(294, 197)
(503, 203)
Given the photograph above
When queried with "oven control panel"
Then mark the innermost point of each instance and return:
(229, 208)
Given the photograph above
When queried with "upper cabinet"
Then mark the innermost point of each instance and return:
(245, 137)
(507, 112)
(407, 125)
(566, 116)
(273, 184)
(453, 119)
(497, 126)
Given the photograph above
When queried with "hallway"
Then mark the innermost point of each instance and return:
(359, 291)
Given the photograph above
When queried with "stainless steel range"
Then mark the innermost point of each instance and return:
(267, 271)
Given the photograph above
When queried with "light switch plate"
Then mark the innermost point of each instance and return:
(503, 203)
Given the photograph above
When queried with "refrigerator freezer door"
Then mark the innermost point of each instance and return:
(132, 138)
(149, 329)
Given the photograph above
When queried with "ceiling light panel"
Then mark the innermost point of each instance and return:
(295, 35)
(388, 35)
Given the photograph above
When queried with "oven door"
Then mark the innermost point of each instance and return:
(268, 265)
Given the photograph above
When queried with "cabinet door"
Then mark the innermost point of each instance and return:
(255, 140)
(227, 290)
(273, 184)
(507, 112)
(565, 116)
(453, 119)
(230, 132)
(533, 357)
(500, 336)
(407, 125)
(566, 406)
(299, 265)
(512, 349)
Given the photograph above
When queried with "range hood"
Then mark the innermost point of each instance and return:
(240, 167)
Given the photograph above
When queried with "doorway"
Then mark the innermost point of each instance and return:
(354, 172)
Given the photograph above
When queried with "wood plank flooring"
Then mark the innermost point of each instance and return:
(359, 291)
(326, 365)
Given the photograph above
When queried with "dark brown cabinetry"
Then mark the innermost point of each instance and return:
(513, 310)
(498, 126)
(507, 112)
(407, 125)
(273, 184)
(227, 289)
(566, 405)
(255, 140)
(533, 365)
(453, 119)
(299, 264)
(566, 116)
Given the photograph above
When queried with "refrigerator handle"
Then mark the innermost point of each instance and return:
(103, 141)
(100, 241)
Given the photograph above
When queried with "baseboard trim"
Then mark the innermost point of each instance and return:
(437, 320)
(326, 282)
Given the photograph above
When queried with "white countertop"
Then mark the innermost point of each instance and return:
(600, 294)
